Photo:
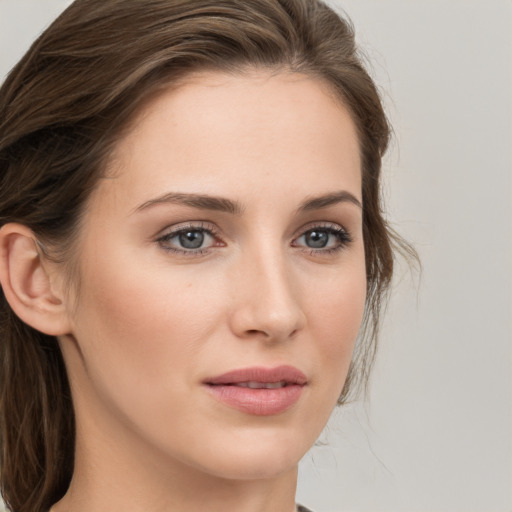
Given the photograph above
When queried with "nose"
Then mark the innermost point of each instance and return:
(266, 299)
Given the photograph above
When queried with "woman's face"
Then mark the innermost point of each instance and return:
(223, 253)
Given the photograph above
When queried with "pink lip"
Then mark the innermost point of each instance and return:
(263, 401)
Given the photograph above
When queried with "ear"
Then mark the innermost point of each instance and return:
(31, 290)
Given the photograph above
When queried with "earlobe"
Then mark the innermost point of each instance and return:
(27, 285)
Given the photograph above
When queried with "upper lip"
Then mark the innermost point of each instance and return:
(285, 373)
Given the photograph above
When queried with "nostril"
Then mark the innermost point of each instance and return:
(268, 334)
(254, 332)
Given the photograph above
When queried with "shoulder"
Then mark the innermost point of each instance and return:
(300, 508)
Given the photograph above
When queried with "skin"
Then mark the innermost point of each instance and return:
(150, 323)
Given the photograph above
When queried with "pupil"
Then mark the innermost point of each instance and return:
(317, 239)
(191, 239)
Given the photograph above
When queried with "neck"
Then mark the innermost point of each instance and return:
(125, 475)
(120, 490)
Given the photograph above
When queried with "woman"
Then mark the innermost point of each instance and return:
(191, 239)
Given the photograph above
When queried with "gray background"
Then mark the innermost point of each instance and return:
(435, 434)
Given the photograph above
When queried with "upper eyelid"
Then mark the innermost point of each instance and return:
(190, 225)
(322, 225)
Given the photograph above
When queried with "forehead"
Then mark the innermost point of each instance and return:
(217, 130)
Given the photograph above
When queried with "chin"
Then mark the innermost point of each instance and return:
(256, 455)
(254, 466)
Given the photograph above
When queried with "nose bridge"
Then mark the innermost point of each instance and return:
(268, 299)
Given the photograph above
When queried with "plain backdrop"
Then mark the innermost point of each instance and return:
(435, 434)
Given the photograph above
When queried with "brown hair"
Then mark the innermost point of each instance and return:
(63, 107)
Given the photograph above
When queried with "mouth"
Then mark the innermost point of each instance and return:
(262, 385)
(259, 391)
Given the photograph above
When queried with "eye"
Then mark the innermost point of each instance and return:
(324, 238)
(191, 239)
(188, 239)
(317, 238)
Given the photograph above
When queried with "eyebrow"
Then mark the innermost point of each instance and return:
(221, 204)
(324, 201)
(204, 202)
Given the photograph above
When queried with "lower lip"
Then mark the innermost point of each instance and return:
(260, 402)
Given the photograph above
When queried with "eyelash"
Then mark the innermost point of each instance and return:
(344, 238)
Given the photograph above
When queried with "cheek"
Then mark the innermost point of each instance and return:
(135, 325)
(140, 334)
(335, 320)
(143, 316)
